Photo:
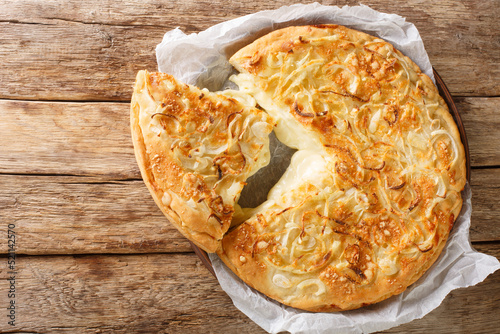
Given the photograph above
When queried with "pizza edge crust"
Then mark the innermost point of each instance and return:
(203, 240)
(274, 40)
(254, 273)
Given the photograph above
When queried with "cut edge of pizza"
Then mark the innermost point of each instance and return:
(377, 213)
(195, 150)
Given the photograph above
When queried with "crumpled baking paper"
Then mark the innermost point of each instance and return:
(201, 59)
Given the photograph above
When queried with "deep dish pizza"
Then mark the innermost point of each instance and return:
(369, 198)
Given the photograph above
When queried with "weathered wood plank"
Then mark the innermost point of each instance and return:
(481, 118)
(67, 138)
(91, 50)
(94, 138)
(469, 310)
(485, 187)
(74, 61)
(82, 215)
(120, 294)
(72, 215)
(173, 293)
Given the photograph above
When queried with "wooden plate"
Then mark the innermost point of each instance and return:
(445, 94)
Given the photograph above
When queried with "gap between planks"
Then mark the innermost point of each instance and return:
(14, 99)
(487, 247)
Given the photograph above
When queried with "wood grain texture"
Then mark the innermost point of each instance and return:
(82, 215)
(70, 50)
(67, 138)
(173, 293)
(469, 310)
(93, 139)
(485, 195)
(481, 119)
(120, 294)
(74, 215)
(107, 261)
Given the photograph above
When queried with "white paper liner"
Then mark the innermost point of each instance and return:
(187, 57)
(458, 266)
(201, 59)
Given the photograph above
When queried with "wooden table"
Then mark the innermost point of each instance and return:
(94, 253)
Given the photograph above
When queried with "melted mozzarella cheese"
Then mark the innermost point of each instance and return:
(288, 130)
(305, 167)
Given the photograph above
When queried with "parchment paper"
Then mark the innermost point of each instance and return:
(201, 59)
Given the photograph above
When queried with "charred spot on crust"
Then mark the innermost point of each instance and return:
(327, 256)
(302, 40)
(219, 172)
(395, 115)
(376, 168)
(325, 26)
(213, 215)
(255, 60)
(232, 164)
(299, 112)
(358, 272)
(397, 187)
(228, 119)
(424, 250)
(217, 204)
(352, 254)
(284, 210)
(345, 94)
(162, 114)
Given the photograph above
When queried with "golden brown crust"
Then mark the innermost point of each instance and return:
(195, 150)
(392, 167)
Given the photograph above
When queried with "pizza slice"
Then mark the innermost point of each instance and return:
(195, 150)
